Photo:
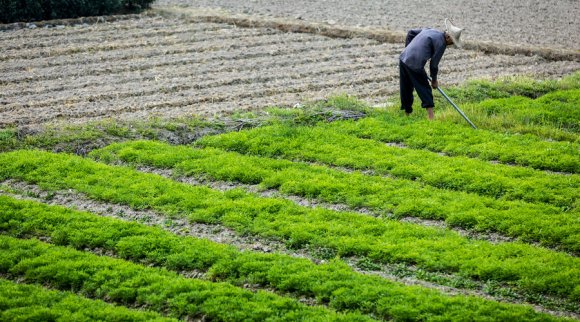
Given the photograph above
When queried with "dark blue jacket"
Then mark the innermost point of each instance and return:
(422, 45)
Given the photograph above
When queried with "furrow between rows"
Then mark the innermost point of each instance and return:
(246, 35)
(246, 92)
(176, 56)
(190, 97)
(179, 70)
(170, 53)
(409, 275)
(185, 83)
(19, 91)
(115, 26)
(189, 31)
(207, 77)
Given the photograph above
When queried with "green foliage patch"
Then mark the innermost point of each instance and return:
(529, 268)
(21, 302)
(333, 283)
(558, 109)
(31, 10)
(530, 222)
(517, 105)
(157, 289)
(475, 91)
(323, 145)
(459, 140)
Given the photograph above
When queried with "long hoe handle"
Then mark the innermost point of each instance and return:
(455, 106)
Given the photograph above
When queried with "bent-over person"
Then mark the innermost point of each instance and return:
(422, 45)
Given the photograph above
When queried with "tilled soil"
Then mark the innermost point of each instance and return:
(544, 23)
(170, 67)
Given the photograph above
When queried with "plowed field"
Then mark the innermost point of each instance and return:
(169, 67)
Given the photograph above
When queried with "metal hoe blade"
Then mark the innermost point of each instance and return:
(455, 106)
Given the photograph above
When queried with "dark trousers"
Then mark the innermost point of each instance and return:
(409, 80)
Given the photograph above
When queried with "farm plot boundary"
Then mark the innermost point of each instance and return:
(339, 31)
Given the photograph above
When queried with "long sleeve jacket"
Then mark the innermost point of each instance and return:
(422, 45)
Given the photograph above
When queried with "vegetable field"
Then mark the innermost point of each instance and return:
(334, 210)
(300, 218)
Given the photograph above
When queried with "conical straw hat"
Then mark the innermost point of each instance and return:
(454, 32)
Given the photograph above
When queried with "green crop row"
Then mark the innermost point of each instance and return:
(543, 116)
(21, 302)
(553, 116)
(526, 267)
(157, 289)
(529, 222)
(557, 109)
(478, 90)
(333, 283)
(459, 140)
(319, 144)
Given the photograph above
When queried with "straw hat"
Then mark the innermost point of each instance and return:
(454, 32)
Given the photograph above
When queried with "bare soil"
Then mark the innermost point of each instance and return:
(539, 23)
(153, 66)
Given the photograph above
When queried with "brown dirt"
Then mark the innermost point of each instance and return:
(136, 68)
(537, 23)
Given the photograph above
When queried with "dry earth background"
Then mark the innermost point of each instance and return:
(208, 58)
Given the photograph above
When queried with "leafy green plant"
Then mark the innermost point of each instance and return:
(130, 284)
(543, 223)
(527, 267)
(319, 144)
(19, 302)
(326, 282)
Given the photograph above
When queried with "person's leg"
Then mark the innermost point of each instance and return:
(430, 114)
(406, 89)
(423, 88)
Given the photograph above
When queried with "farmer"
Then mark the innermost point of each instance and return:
(422, 45)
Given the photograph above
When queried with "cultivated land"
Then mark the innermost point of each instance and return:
(132, 69)
(539, 23)
(333, 210)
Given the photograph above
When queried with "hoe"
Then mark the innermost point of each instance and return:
(455, 106)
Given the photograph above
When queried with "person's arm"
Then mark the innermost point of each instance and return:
(410, 35)
(434, 64)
